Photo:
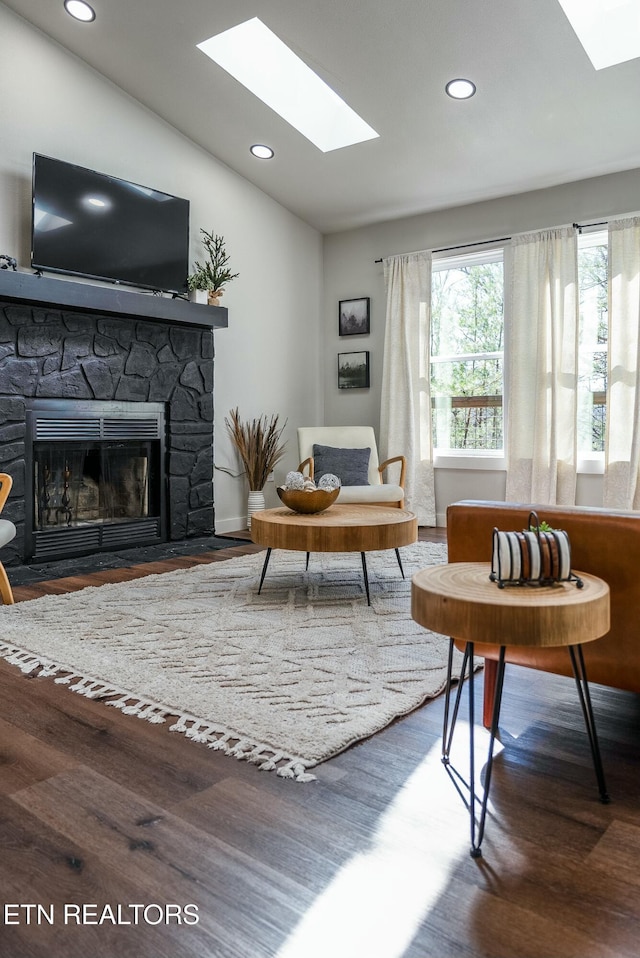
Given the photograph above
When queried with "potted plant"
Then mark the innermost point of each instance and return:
(214, 273)
(259, 447)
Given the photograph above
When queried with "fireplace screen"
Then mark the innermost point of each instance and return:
(95, 477)
(78, 484)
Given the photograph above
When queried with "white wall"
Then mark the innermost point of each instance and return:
(268, 360)
(351, 270)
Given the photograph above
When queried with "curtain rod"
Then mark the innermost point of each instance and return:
(501, 239)
(448, 249)
(583, 226)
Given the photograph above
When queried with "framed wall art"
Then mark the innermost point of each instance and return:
(353, 370)
(353, 317)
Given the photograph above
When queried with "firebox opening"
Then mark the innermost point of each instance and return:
(76, 484)
(97, 477)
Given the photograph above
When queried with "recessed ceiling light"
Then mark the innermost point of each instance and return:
(261, 151)
(258, 59)
(96, 203)
(609, 30)
(460, 89)
(80, 10)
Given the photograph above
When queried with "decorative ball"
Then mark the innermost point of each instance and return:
(294, 480)
(329, 481)
(309, 485)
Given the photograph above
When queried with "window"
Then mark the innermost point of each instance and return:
(466, 361)
(467, 342)
(594, 317)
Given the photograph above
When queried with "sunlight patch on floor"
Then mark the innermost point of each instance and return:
(377, 901)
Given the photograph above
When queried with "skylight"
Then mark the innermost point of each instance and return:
(609, 30)
(258, 59)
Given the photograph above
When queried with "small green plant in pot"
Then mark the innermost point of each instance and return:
(543, 526)
(214, 273)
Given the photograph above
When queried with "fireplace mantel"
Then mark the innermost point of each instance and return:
(115, 300)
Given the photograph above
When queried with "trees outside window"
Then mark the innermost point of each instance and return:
(467, 344)
(467, 349)
(594, 334)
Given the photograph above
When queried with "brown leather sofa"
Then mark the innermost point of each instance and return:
(606, 544)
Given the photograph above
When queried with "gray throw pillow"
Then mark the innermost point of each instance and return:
(351, 466)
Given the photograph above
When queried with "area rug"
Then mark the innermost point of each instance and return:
(285, 679)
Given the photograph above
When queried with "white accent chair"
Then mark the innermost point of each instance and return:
(378, 492)
(7, 533)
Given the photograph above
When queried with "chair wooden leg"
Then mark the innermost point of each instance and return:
(5, 587)
(490, 676)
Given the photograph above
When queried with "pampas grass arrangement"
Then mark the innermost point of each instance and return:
(258, 444)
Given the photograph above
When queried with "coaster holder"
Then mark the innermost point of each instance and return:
(532, 557)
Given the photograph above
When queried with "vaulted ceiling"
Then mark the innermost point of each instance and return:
(542, 114)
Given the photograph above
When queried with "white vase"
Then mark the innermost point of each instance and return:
(199, 296)
(255, 502)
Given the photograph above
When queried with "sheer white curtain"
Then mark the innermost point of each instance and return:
(622, 444)
(541, 368)
(405, 414)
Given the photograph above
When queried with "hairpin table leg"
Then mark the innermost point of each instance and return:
(580, 674)
(476, 837)
(366, 576)
(264, 569)
(447, 730)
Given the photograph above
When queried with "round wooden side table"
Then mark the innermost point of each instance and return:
(460, 601)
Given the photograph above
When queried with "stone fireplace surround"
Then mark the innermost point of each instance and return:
(61, 340)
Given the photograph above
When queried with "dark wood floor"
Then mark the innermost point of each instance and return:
(369, 861)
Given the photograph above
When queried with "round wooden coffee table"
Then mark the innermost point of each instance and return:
(340, 528)
(459, 600)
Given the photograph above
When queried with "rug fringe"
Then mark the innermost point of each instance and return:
(266, 758)
(26, 661)
(231, 743)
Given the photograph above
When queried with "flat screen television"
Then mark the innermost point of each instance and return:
(91, 224)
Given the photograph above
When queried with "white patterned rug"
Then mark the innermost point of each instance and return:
(285, 679)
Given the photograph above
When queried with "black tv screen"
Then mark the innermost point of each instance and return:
(91, 224)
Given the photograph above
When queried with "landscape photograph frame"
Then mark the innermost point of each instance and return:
(353, 370)
(354, 316)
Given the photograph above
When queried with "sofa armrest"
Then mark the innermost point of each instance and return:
(603, 542)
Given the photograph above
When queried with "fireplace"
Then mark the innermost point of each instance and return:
(106, 417)
(96, 476)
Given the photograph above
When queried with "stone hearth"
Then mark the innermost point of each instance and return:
(62, 353)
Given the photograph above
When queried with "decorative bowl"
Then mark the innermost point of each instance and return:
(299, 500)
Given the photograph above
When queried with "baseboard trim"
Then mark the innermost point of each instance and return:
(225, 526)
